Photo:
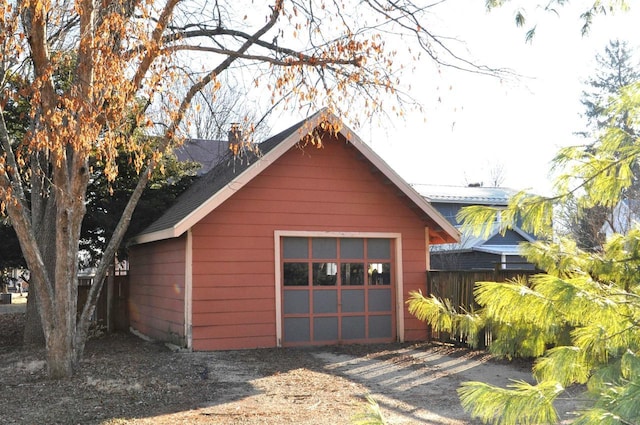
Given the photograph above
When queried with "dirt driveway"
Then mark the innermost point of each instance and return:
(125, 380)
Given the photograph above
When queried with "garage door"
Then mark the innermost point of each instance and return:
(337, 290)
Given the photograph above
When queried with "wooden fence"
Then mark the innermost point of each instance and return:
(457, 286)
(111, 313)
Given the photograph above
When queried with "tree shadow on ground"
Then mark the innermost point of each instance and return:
(418, 383)
(124, 379)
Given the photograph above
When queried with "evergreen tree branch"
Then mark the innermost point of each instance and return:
(523, 404)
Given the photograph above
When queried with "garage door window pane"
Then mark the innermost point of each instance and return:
(380, 326)
(325, 274)
(296, 302)
(379, 274)
(380, 299)
(353, 327)
(352, 274)
(296, 329)
(324, 248)
(352, 248)
(353, 301)
(295, 248)
(324, 301)
(295, 274)
(379, 248)
(325, 328)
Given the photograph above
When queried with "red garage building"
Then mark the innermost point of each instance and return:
(298, 245)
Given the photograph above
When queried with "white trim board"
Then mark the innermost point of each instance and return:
(188, 291)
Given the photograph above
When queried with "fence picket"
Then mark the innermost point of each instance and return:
(458, 286)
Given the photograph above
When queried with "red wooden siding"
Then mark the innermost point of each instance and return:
(156, 297)
(329, 189)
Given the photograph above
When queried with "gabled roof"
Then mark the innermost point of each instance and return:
(232, 173)
(465, 194)
(476, 243)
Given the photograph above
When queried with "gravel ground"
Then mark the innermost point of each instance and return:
(125, 380)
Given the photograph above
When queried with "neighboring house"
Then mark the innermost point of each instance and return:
(205, 152)
(496, 251)
(296, 246)
(208, 153)
(625, 216)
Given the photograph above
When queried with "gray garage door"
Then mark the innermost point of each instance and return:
(337, 290)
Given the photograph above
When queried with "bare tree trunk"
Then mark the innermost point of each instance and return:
(109, 295)
(33, 334)
(43, 220)
(60, 359)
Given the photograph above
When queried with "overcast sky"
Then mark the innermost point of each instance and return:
(475, 124)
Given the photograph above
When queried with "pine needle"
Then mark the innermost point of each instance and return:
(523, 404)
(372, 416)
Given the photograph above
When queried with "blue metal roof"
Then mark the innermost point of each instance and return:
(465, 194)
